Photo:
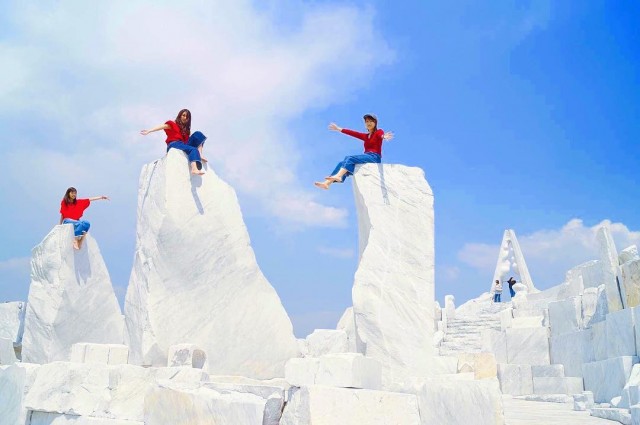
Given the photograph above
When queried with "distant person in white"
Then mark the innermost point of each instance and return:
(497, 289)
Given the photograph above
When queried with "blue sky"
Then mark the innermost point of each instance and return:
(522, 114)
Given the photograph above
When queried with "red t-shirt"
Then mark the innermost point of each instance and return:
(74, 211)
(371, 144)
(174, 133)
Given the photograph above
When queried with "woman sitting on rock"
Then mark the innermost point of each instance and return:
(372, 150)
(179, 137)
(71, 210)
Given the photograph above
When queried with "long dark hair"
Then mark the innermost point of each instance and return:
(185, 128)
(67, 199)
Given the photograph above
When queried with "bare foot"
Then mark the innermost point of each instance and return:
(321, 185)
(76, 245)
(197, 172)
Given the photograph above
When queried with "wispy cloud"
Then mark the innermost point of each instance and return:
(344, 253)
(549, 253)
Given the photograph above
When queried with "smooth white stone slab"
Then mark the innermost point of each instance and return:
(318, 405)
(347, 370)
(557, 385)
(347, 323)
(494, 341)
(12, 320)
(454, 402)
(631, 280)
(548, 371)
(630, 390)
(607, 378)
(187, 355)
(275, 396)
(96, 353)
(15, 382)
(610, 269)
(437, 314)
(506, 318)
(515, 379)
(528, 346)
(572, 350)
(444, 365)
(118, 354)
(178, 404)
(301, 371)
(630, 253)
(70, 299)
(393, 292)
(599, 340)
(527, 322)
(618, 415)
(589, 273)
(483, 365)
(635, 414)
(450, 306)
(565, 316)
(85, 352)
(46, 418)
(621, 339)
(327, 341)
(212, 294)
(7, 353)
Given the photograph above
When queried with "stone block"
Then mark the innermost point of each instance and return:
(494, 341)
(631, 281)
(96, 353)
(613, 414)
(12, 320)
(571, 351)
(599, 340)
(548, 371)
(450, 306)
(515, 379)
(458, 403)
(302, 372)
(118, 354)
(607, 378)
(527, 322)
(274, 395)
(327, 341)
(565, 316)
(77, 352)
(483, 365)
(555, 385)
(628, 254)
(318, 405)
(528, 346)
(7, 354)
(349, 370)
(189, 355)
(47, 418)
(506, 317)
(620, 334)
(444, 365)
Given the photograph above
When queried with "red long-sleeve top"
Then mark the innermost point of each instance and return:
(372, 143)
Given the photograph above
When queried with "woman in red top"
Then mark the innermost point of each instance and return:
(372, 150)
(71, 210)
(179, 137)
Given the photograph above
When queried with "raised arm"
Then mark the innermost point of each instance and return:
(158, 128)
(361, 136)
(99, 198)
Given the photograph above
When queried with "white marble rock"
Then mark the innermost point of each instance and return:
(347, 323)
(527, 322)
(620, 334)
(528, 346)
(630, 392)
(557, 385)
(450, 306)
(599, 340)
(274, 395)
(319, 405)
(506, 318)
(548, 371)
(454, 402)
(7, 353)
(327, 341)
(444, 365)
(630, 253)
(70, 299)
(607, 378)
(572, 350)
(177, 404)
(613, 414)
(631, 280)
(393, 292)
(187, 355)
(212, 294)
(494, 341)
(610, 269)
(565, 315)
(590, 273)
(346, 370)
(12, 320)
(515, 379)
(15, 382)
(47, 418)
(301, 371)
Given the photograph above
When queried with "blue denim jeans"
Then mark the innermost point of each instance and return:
(511, 291)
(191, 147)
(80, 227)
(496, 297)
(349, 163)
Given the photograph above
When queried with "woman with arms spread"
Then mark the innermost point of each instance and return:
(71, 210)
(372, 150)
(179, 137)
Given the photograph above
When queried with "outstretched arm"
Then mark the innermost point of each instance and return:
(334, 127)
(361, 136)
(388, 135)
(99, 198)
(158, 128)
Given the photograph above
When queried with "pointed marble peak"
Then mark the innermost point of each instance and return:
(511, 263)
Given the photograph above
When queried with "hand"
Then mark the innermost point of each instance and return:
(106, 198)
(145, 132)
(388, 135)
(333, 126)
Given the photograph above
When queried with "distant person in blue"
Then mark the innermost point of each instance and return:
(372, 139)
(179, 137)
(497, 289)
(511, 282)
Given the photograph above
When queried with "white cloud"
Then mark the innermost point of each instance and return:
(96, 73)
(344, 253)
(549, 253)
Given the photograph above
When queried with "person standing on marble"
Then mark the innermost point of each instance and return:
(71, 210)
(497, 289)
(372, 139)
(511, 282)
(179, 137)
